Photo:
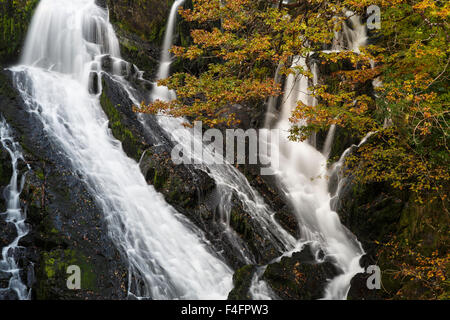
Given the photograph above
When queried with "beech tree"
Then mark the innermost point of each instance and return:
(240, 44)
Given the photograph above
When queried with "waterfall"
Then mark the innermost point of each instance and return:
(168, 256)
(15, 215)
(350, 37)
(304, 174)
(259, 289)
(229, 180)
(160, 92)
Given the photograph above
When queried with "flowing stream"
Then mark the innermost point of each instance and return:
(305, 177)
(14, 214)
(303, 174)
(229, 180)
(167, 254)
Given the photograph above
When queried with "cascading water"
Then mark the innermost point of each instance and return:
(166, 254)
(230, 181)
(304, 174)
(161, 92)
(14, 214)
(351, 38)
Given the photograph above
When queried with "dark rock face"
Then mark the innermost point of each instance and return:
(299, 277)
(359, 291)
(372, 211)
(8, 232)
(15, 17)
(66, 226)
(145, 18)
(270, 189)
(242, 280)
(5, 176)
(123, 121)
(140, 26)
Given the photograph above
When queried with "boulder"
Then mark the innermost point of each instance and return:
(300, 277)
(242, 280)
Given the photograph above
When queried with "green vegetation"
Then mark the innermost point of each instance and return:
(240, 43)
(130, 143)
(242, 280)
(144, 18)
(54, 266)
(15, 17)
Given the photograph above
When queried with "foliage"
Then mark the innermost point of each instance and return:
(412, 152)
(243, 41)
(425, 274)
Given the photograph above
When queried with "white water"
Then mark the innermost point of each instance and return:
(14, 214)
(161, 92)
(229, 180)
(166, 253)
(304, 174)
(259, 289)
(352, 38)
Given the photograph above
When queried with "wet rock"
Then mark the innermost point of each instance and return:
(8, 295)
(372, 211)
(106, 63)
(299, 277)
(65, 224)
(140, 30)
(123, 122)
(5, 168)
(360, 291)
(8, 232)
(93, 83)
(271, 191)
(242, 280)
(101, 3)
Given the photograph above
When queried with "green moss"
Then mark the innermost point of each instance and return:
(159, 180)
(239, 224)
(53, 272)
(15, 17)
(6, 89)
(242, 279)
(146, 22)
(40, 174)
(130, 143)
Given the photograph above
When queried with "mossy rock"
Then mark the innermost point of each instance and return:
(15, 17)
(171, 180)
(239, 222)
(52, 274)
(242, 280)
(299, 277)
(130, 143)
